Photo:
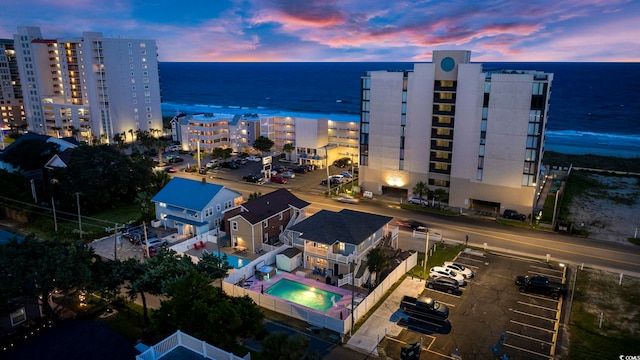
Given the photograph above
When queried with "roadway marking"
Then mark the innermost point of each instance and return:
(539, 297)
(546, 245)
(529, 351)
(530, 326)
(530, 338)
(537, 306)
(533, 316)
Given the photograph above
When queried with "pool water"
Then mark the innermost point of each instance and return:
(304, 294)
(234, 261)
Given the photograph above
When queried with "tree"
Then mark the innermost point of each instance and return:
(30, 154)
(263, 144)
(214, 266)
(254, 195)
(206, 312)
(421, 189)
(440, 195)
(283, 346)
(103, 176)
(288, 148)
(33, 269)
(377, 261)
(57, 130)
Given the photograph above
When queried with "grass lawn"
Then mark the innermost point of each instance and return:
(597, 293)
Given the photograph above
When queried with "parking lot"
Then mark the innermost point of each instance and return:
(491, 317)
(309, 181)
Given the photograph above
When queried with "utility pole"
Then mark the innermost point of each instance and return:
(353, 307)
(326, 155)
(116, 230)
(426, 257)
(55, 218)
(79, 216)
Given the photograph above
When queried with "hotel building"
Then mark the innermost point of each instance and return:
(476, 133)
(11, 107)
(214, 131)
(90, 87)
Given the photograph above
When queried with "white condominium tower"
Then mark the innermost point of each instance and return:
(90, 87)
(477, 134)
(11, 109)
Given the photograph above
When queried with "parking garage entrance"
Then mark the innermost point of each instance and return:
(485, 206)
(394, 192)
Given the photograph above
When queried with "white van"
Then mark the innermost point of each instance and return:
(172, 148)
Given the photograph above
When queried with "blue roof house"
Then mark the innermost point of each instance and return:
(193, 207)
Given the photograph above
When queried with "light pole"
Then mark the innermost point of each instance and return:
(326, 159)
(555, 206)
(79, 217)
(426, 257)
(353, 286)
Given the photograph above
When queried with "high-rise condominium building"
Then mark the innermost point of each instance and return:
(11, 108)
(477, 134)
(90, 87)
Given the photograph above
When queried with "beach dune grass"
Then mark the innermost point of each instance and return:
(598, 295)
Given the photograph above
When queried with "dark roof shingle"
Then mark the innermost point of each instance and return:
(268, 205)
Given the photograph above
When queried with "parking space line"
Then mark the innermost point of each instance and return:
(546, 268)
(534, 316)
(530, 338)
(538, 297)
(537, 306)
(530, 326)
(474, 259)
(529, 351)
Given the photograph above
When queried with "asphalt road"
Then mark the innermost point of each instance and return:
(616, 257)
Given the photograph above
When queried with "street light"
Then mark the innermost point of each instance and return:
(79, 217)
(353, 279)
(326, 156)
(426, 257)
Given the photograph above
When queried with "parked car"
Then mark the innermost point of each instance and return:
(343, 162)
(278, 179)
(155, 242)
(450, 286)
(459, 268)
(514, 215)
(346, 174)
(411, 224)
(288, 175)
(175, 160)
(171, 169)
(254, 158)
(268, 173)
(212, 163)
(203, 170)
(439, 271)
(338, 177)
(332, 182)
(172, 148)
(416, 200)
(253, 178)
(346, 198)
(241, 161)
(230, 165)
(301, 169)
(280, 169)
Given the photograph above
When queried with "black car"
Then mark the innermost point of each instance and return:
(334, 181)
(514, 215)
(343, 162)
(175, 160)
(252, 178)
(411, 224)
(280, 169)
(450, 286)
(301, 169)
(230, 165)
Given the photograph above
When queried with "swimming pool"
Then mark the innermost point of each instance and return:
(234, 261)
(305, 295)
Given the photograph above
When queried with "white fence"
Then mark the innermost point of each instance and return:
(311, 316)
(200, 347)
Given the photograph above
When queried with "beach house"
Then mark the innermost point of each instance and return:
(193, 207)
(336, 243)
(262, 220)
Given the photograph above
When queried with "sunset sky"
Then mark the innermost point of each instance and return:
(347, 30)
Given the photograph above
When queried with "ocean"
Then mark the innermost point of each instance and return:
(594, 107)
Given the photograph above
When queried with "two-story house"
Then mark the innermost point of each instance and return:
(336, 240)
(193, 207)
(263, 219)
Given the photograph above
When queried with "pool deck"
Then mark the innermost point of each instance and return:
(341, 307)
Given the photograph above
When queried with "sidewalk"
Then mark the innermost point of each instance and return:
(384, 320)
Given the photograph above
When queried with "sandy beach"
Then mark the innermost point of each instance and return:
(610, 214)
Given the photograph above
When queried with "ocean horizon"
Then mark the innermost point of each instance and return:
(586, 116)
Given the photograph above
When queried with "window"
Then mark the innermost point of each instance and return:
(281, 216)
(487, 87)
(218, 208)
(18, 316)
(441, 166)
(208, 212)
(265, 224)
(234, 225)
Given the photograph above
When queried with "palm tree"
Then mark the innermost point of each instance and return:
(74, 131)
(377, 261)
(57, 130)
(288, 148)
(421, 189)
